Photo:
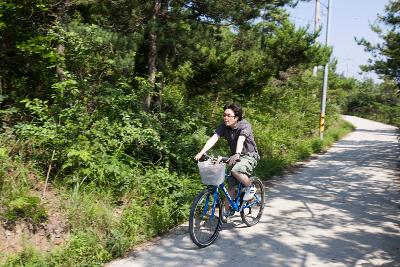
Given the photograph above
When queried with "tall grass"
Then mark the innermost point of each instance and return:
(19, 199)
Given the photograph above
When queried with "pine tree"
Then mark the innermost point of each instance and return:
(386, 55)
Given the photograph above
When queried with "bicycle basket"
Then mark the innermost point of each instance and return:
(211, 173)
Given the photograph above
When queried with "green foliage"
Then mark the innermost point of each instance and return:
(44, 128)
(88, 209)
(385, 60)
(41, 46)
(163, 200)
(287, 47)
(106, 152)
(27, 208)
(85, 248)
(29, 257)
(376, 102)
(6, 114)
(16, 197)
(280, 158)
(117, 242)
(339, 129)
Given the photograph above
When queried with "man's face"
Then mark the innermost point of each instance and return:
(229, 118)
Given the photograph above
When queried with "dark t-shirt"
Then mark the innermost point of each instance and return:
(243, 128)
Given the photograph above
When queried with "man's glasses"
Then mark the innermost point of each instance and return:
(228, 115)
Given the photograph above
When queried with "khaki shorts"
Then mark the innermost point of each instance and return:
(246, 165)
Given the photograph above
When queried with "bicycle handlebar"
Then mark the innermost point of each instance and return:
(206, 157)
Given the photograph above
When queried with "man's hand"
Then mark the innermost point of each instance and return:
(198, 156)
(232, 160)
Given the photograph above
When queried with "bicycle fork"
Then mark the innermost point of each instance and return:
(214, 204)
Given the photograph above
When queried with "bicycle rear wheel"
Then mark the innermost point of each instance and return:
(251, 215)
(204, 223)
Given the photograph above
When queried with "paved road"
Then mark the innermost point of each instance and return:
(340, 209)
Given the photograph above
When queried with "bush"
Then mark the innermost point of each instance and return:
(27, 208)
(29, 257)
(87, 208)
(281, 158)
(85, 249)
(163, 201)
(17, 197)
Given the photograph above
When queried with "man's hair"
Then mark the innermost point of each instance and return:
(236, 108)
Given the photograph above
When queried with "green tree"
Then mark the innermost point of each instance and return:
(168, 25)
(386, 55)
(27, 56)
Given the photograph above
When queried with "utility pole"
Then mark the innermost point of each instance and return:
(316, 28)
(325, 83)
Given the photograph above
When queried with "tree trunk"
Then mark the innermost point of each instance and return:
(152, 57)
(61, 14)
(152, 68)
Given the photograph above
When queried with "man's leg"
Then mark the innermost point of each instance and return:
(241, 177)
(241, 172)
(249, 189)
(231, 191)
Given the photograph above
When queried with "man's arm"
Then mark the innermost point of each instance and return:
(209, 144)
(239, 145)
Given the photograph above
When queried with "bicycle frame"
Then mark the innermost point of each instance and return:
(234, 203)
(207, 210)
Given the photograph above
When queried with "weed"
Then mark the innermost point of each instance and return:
(87, 208)
(29, 257)
(27, 208)
(85, 249)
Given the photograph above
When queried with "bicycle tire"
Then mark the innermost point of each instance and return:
(204, 227)
(252, 215)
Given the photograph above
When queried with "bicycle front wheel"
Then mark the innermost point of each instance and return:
(205, 219)
(253, 209)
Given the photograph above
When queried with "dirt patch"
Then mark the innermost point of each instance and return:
(44, 237)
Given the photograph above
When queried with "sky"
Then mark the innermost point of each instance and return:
(348, 19)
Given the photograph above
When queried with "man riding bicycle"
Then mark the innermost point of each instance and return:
(244, 155)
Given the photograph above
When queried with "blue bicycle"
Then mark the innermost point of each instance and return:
(207, 209)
